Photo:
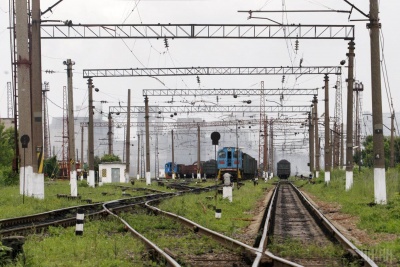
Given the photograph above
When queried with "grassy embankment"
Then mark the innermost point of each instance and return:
(382, 222)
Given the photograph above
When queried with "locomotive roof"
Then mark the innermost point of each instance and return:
(283, 161)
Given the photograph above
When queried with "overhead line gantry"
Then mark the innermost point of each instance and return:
(220, 92)
(217, 108)
(68, 30)
(186, 71)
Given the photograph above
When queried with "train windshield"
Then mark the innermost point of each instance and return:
(221, 154)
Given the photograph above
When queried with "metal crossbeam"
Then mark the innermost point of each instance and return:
(137, 72)
(219, 108)
(194, 124)
(178, 31)
(208, 92)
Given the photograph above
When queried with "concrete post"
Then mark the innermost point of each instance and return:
(379, 154)
(148, 175)
(71, 130)
(36, 103)
(349, 133)
(128, 139)
(91, 178)
(328, 150)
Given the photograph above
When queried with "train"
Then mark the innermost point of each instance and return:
(208, 169)
(239, 164)
(283, 169)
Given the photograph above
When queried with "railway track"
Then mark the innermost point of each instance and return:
(289, 216)
(294, 220)
(67, 217)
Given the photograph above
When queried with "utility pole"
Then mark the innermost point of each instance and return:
(341, 162)
(71, 130)
(265, 158)
(271, 147)
(378, 146)
(146, 117)
(91, 178)
(172, 150)
(128, 139)
(46, 135)
(110, 134)
(392, 140)
(82, 161)
(36, 102)
(358, 87)
(198, 153)
(349, 132)
(24, 93)
(138, 157)
(328, 151)
(316, 136)
(311, 141)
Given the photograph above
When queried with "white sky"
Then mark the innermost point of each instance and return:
(100, 53)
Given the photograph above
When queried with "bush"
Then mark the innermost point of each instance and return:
(8, 176)
(83, 183)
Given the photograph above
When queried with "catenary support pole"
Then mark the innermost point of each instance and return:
(392, 140)
(138, 157)
(91, 178)
(316, 137)
(311, 141)
(146, 117)
(82, 161)
(198, 153)
(24, 94)
(71, 130)
(173, 152)
(328, 150)
(379, 153)
(110, 134)
(36, 103)
(128, 139)
(349, 132)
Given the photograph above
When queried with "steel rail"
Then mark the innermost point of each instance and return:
(263, 242)
(148, 243)
(220, 238)
(336, 233)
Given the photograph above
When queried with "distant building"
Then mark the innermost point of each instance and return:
(8, 122)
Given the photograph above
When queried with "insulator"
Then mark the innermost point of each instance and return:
(166, 42)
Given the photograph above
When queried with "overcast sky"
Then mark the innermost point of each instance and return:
(100, 53)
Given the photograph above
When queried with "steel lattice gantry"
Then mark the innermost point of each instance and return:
(219, 92)
(219, 108)
(174, 125)
(177, 31)
(185, 71)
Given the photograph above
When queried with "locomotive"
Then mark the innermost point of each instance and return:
(237, 163)
(283, 169)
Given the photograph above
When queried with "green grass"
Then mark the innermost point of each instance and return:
(359, 201)
(101, 245)
(105, 243)
(12, 205)
(234, 216)
(293, 248)
(167, 233)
